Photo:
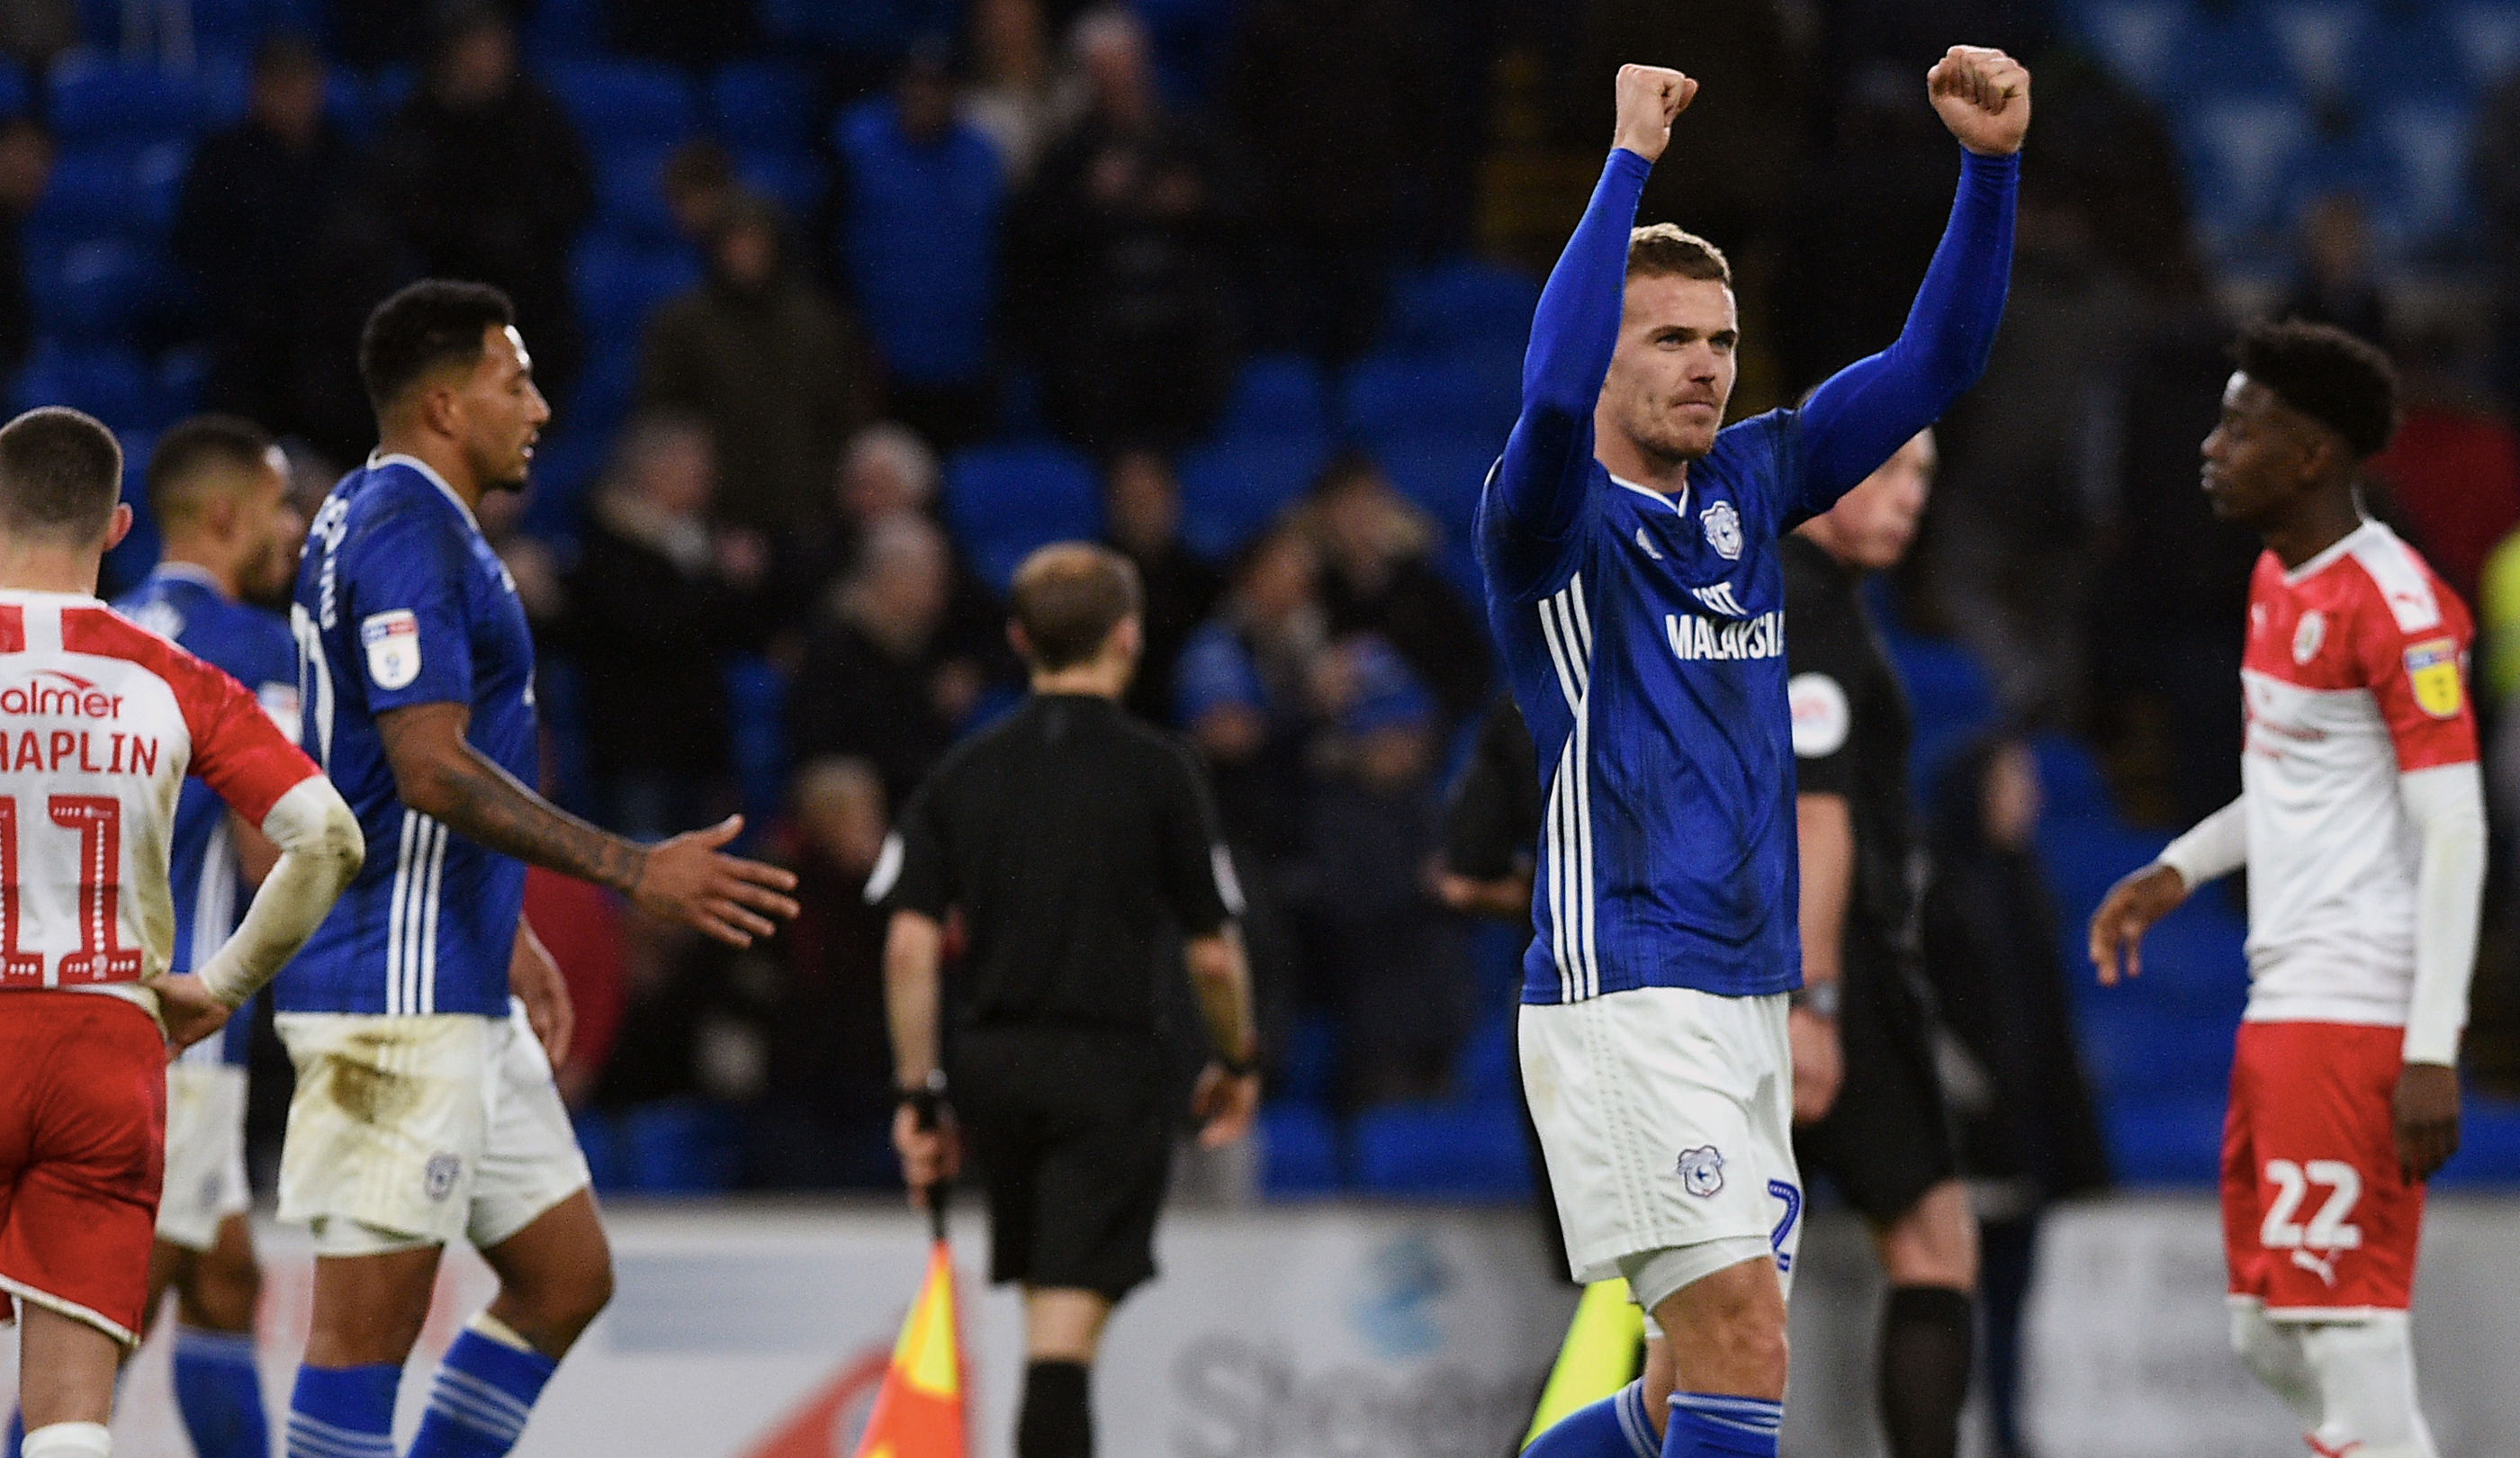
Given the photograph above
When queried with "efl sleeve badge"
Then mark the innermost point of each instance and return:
(393, 642)
(2432, 669)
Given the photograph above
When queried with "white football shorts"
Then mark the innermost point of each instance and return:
(421, 1128)
(204, 1152)
(1666, 1116)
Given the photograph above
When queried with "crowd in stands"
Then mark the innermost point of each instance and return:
(843, 306)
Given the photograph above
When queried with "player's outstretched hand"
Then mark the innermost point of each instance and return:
(1224, 1104)
(932, 1154)
(1983, 96)
(1650, 97)
(2140, 898)
(2425, 1113)
(187, 1008)
(689, 879)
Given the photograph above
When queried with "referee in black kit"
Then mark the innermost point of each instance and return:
(1082, 850)
(1884, 1134)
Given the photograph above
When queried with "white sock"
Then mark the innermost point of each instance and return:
(2367, 1375)
(69, 1440)
(2271, 1350)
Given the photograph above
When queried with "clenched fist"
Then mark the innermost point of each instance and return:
(1982, 95)
(1650, 97)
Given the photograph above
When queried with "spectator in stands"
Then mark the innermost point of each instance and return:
(2334, 283)
(2029, 1133)
(1387, 959)
(1119, 286)
(1242, 691)
(919, 198)
(26, 166)
(655, 605)
(1380, 579)
(697, 179)
(251, 221)
(2453, 470)
(1013, 95)
(1141, 516)
(757, 352)
(488, 180)
(2494, 170)
(876, 682)
(1336, 103)
(828, 1093)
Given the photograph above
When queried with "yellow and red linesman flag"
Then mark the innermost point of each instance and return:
(919, 1413)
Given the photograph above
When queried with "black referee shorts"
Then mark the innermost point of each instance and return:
(1888, 1138)
(1072, 1132)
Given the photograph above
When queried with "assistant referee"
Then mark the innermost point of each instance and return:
(1081, 848)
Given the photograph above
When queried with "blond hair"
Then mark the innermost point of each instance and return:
(1666, 250)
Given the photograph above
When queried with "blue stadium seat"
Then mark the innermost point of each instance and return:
(756, 706)
(1462, 302)
(630, 196)
(2323, 42)
(1443, 1151)
(617, 284)
(2427, 146)
(797, 181)
(1442, 473)
(114, 104)
(1951, 694)
(2136, 39)
(1277, 394)
(621, 105)
(2229, 48)
(1308, 1064)
(93, 292)
(560, 29)
(607, 1157)
(871, 27)
(2239, 152)
(2133, 1052)
(109, 382)
(2085, 858)
(682, 1147)
(2489, 1145)
(92, 191)
(17, 98)
(768, 106)
(1190, 40)
(1487, 1072)
(1233, 489)
(2486, 38)
(2070, 778)
(1298, 1149)
(2166, 1141)
(1002, 501)
(1471, 393)
(2409, 53)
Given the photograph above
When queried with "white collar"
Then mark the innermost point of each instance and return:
(38, 596)
(2295, 576)
(434, 480)
(1677, 504)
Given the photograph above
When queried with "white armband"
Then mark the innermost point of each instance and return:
(2447, 807)
(321, 849)
(2214, 847)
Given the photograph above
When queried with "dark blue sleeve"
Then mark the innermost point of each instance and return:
(402, 578)
(1867, 411)
(1541, 485)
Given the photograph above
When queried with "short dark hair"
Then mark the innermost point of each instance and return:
(425, 325)
(190, 452)
(1067, 598)
(61, 475)
(2342, 381)
(1666, 250)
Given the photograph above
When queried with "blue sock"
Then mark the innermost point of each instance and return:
(17, 1433)
(344, 1412)
(220, 1393)
(483, 1393)
(1709, 1425)
(1617, 1426)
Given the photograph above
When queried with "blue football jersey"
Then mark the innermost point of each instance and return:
(1646, 648)
(182, 602)
(400, 602)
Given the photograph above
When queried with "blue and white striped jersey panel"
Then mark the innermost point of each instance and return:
(214, 917)
(1566, 625)
(412, 912)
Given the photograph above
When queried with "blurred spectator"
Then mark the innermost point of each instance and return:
(827, 1092)
(921, 196)
(876, 682)
(256, 212)
(1337, 104)
(1013, 96)
(26, 166)
(1117, 281)
(697, 179)
(1243, 690)
(1387, 959)
(1142, 513)
(655, 605)
(529, 559)
(487, 180)
(758, 354)
(2494, 166)
(2028, 1132)
(2453, 470)
(1380, 578)
(2334, 283)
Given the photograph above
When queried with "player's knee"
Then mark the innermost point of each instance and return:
(1934, 1241)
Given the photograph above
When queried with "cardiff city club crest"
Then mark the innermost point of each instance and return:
(1723, 529)
(1702, 1171)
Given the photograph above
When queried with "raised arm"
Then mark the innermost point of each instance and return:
(1863, 413)
(1576, 327)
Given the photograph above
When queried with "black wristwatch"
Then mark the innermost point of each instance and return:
(1819, 999)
